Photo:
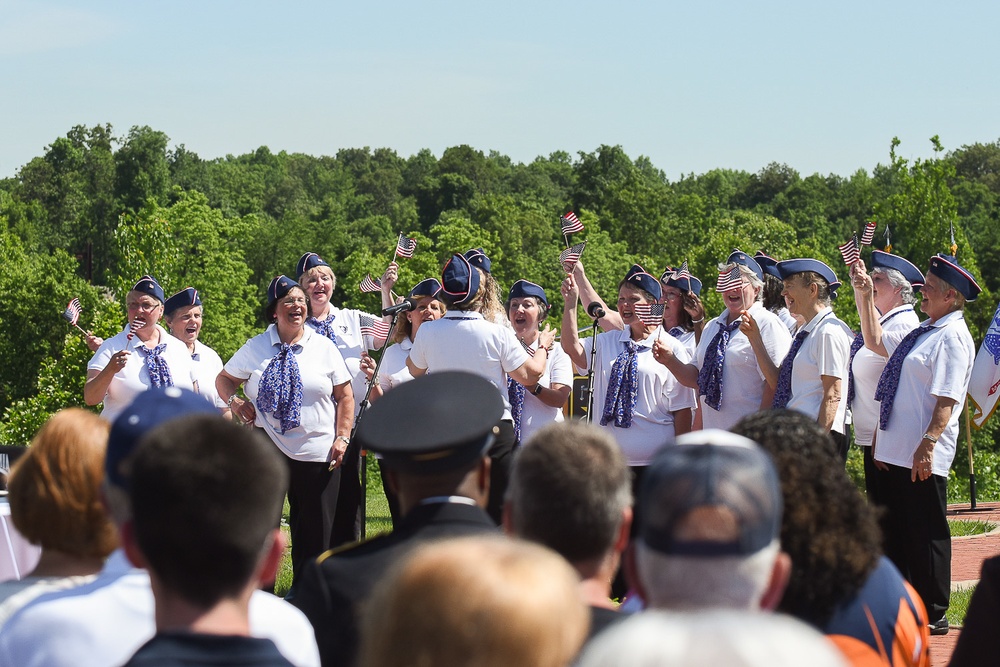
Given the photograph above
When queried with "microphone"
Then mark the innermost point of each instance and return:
(595, 311)
(406, 306)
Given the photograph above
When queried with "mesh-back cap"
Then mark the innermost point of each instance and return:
(713, 493)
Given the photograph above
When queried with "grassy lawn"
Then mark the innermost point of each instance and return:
(967, 528)
(959, 605)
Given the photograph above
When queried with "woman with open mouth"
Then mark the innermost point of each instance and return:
(141, 356)
(534, 407)
(298, 390)
(183, 315)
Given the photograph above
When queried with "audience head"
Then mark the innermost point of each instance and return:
(709, 520)
(571, 490)
(829, 531)
(475, 602)
(206, 501)
(55, 488)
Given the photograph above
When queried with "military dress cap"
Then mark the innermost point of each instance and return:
(947, 269)
(149, 409)
(767, 264)
(523, 288)
(279, 287)
(186, 297)
(740, 257)
(436, 423)
(884, 260)
(790, 267)
(426, 287)
(310, 260)
(637, 277)
(670, 279)
(459, 281)
(477, 258)
(725, 473)
(148, 285)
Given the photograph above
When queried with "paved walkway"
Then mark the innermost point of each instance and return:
(967, 556)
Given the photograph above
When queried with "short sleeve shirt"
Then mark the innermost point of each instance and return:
(535, 415)
(825, 351)
(350, 342)
(207, 366)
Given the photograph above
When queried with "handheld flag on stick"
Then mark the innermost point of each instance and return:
(374, 328)
(683, 273)
(405, 246)
(570, 223)
(570, 256)
(134, 326)
(869, 234)
(731, 279)
(650, 314)
(72, 313)
(851, 251)
(984, 385)
(369, 284)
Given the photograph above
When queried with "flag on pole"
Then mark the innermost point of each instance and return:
(405, 247)
(571, 255)
(72, 312)
(984, 386)
(851, 251)
(683, 273)
(650, 314)
(370, 284)
(134, 326)
(731, 279)
(570, 223)
(869, 234)
(373, 327)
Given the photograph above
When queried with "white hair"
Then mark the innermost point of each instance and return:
(709, 639)
(896, 279)
(699, 582)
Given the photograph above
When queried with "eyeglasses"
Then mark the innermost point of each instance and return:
(671, 296)
(144, 306)
(294, 301)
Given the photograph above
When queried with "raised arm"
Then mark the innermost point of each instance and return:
(588, 295)
(871, 329)
(569, 337)
(752, 331)
(686, 374)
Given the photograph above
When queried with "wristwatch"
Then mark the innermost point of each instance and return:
(537, 390)
(344, 438)
(928, 436)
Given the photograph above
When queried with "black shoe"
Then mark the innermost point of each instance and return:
(939, 627)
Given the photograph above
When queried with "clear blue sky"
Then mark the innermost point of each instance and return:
(822, 87)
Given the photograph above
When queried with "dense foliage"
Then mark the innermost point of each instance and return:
(96, 211)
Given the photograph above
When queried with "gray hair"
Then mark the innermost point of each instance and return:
(684, 583)
(897, 280)
(749, 275)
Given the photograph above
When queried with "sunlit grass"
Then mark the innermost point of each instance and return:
(962, 528)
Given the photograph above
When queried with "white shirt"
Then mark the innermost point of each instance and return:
(535, 414)
(787, 319)
(825, 351)
(207, 366)
(464, 341)
(350, 342)
(101, 624)
(133, 378)
(657, 396)
(939, 365)
(321, 368)
(868, 367)
(392, 372)
(742, 380)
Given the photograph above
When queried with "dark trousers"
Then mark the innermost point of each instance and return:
(347, 519)
(917, 537)
(873, 478)
(842, 443)
(390, 497)
(312, 503)
(501, 458)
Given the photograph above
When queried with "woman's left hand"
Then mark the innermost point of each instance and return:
(337, 452)
(367, 365)
(694, 307)
(390, 276)
(662, 352)
(547, 337)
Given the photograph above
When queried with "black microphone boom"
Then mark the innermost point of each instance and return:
(406, 306)
(595, 310)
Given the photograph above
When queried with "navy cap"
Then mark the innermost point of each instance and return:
(947, 269)
(637, 277)
(883, 260)
(308, 261)
(683, 284)
(426, 287)
(790, 267)
(710, 469)
(459, 281)
(436, 423)
(186, 297)
(767, 264)
(149, 409)
(477, 258)
(740, 257)
(523, 288)
(148, 285)
(279, 287)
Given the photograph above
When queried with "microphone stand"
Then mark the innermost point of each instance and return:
(590, 373)
(354, 447)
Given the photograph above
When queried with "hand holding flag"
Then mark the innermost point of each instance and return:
(570, 256)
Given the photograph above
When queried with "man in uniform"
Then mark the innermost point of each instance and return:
(433, 435)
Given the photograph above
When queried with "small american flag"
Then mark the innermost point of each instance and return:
(374, 328)
(370, 284)
(405, 247)
(571, 255)
(650, 314)
(570, 223)
(72, 312)
(134, 326)
(526, 346)
(683, 273)
(731, 279)
(869, 234)
(851, 251)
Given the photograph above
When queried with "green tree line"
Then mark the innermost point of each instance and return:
(97, 210)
